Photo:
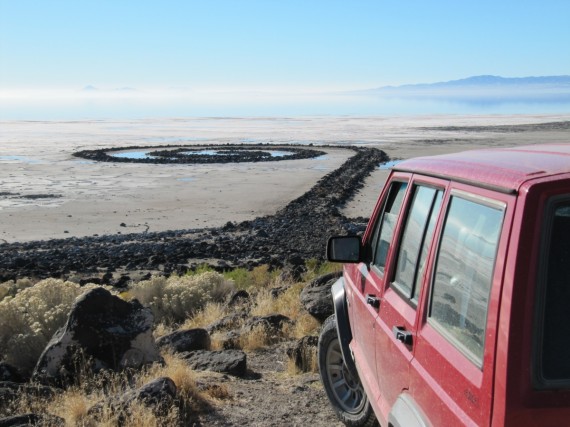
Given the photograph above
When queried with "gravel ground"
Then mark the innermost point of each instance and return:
(270, 396)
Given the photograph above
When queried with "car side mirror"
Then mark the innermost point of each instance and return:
(345, 249)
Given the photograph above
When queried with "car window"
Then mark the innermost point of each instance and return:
(416, 238)
(387, 223)
(555, 325)
(463, 274)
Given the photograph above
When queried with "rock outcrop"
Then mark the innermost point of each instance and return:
(186, 340)
(159, 395)
(316, 296)
(101, 332)
(233, 362)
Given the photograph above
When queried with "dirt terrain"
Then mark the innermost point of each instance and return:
(270, 396)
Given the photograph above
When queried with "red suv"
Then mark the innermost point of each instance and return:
(454, 307)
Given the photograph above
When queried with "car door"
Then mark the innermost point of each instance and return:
(395, 327)
(364, 292)
(451, 373)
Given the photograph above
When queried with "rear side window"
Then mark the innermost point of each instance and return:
(464, 272)
(554, 296)
(416, 239)
(386, 225)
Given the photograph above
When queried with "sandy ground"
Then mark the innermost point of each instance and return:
(86, 198)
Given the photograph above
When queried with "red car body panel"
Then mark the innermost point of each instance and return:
(448, 387)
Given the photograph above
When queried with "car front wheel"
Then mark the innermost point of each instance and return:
(344, 390)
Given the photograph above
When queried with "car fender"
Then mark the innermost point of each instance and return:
(343, 325)
(407, 413)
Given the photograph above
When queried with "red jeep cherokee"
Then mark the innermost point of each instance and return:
(454, 307)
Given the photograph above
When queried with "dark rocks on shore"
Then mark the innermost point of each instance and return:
(295, 233)
(195, 154)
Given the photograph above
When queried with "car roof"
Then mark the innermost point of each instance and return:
(503, 169)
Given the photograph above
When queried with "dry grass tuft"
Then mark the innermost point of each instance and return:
(256, 339)
(211, 312)
(305, 324)
(287, 303)
(217, 392)
(316, 268)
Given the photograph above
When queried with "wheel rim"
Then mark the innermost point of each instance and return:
(346, 388)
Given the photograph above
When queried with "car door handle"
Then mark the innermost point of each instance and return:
(402, 335)
(373, 300)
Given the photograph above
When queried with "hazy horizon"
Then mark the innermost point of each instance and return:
(256, 57)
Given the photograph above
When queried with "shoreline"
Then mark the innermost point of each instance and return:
(294, 234)
(198, 229)
(97, 198)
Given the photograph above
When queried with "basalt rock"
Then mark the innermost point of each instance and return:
(186, 340)
(10, 391)
(101, 332)
(233, 362)
(31, 419)
(159, 395)
(316, 296)
(303, 353)
(10, 373)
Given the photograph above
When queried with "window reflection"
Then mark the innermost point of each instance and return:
(464, 272)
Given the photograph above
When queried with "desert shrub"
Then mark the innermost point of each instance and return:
(11, 288)
(30, 317)
(240, 276)
(174, 299)
(202, 268)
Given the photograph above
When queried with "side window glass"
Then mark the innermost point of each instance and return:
(555, 328)
(463, 274)
(426, 245)
(387, 223)
(415, 238)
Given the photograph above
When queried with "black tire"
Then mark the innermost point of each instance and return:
(347, 397)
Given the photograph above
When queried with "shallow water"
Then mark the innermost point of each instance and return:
(18, 159)
(138, 155)
(135, 155)
(388, 165)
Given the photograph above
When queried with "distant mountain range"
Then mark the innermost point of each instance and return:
(91, 88)
(482, 86)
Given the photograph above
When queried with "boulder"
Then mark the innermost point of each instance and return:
(273, 323)
(228, 322)
(159, 395)
(31, 419)
(231, 362)
(186, 340)
(9, 373)
(303, 353)
(102, 332)
(316, 296)
(239, 298)
(10, 391)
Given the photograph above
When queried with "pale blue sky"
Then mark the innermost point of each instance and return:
(275, 44)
